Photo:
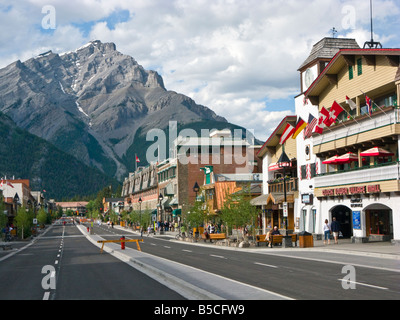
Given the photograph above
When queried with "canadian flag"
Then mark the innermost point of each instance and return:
(137, 159)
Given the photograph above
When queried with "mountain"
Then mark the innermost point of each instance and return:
(96, 104)
(27, 156)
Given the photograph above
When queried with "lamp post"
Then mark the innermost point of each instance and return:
(160, 198)
(284, 162)
(140, 210)
(196, 189)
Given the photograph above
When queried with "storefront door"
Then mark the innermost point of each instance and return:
(343, 215)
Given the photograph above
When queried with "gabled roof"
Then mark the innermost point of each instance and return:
(346, 57)
(275, 137)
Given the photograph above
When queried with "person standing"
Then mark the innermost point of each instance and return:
(327, 232)
(335, 227)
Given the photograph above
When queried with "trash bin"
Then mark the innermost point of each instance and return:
(306, 240)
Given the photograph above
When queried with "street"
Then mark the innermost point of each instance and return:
(80, 271)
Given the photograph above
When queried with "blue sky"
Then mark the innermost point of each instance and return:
(237, 57)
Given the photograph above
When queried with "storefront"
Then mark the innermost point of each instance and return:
(365, 213)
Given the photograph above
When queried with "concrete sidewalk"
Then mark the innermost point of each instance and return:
(374, 249)
(191, 283)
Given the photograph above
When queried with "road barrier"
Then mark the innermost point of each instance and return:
(120, 241)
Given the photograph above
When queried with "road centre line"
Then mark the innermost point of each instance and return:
(215, 256)
(187, 250)
(266, 265)
(364, 284)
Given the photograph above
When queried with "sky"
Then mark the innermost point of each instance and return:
(240, 58)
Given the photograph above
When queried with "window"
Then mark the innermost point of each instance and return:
(351, 76)
(303, 172)
(359, 67)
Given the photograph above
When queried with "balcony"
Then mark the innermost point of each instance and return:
(363, 130)
(378, 173)
(276, 186)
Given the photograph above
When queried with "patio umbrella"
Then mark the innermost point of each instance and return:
(347, 158)
(376, 152)
(331, 160)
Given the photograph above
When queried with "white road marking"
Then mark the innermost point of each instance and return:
(187, 250)
(364, 284)
(266, 265)
(46, 296)
(215, 256)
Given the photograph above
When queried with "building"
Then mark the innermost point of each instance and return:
(17, 193)
(78, 207)
(274, 195)
(176, 176)
(362, 188)
(140, 190)
(308, 213)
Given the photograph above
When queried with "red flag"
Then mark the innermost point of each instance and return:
(287, 133)
(137, 159)
(369, 104)
(324, 117)
(334, 112)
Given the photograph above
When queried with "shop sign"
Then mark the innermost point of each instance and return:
(351, 190)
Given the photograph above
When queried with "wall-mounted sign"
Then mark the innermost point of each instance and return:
(351, 190)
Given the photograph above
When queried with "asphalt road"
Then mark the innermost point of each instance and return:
(297, 277)
(76, 269)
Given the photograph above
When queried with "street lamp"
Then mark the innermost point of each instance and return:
(284, 162)
(196, 189)
(140, 208)
(160, 198)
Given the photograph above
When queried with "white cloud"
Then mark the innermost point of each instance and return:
(230, 55)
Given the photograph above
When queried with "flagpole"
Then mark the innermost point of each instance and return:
(135, 162)
(349, 114)
(375, 104)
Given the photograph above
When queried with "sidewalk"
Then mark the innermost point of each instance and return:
(374, 249)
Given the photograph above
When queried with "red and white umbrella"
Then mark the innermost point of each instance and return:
(377, 152)
(331, 160)
(347, 158)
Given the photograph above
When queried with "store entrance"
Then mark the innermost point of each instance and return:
(379, 224)
(343, 215)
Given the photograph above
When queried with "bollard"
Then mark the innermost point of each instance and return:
(122, 243)
(87, 229)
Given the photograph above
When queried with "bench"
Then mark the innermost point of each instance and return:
(261, 238)
(213, 236)
(277, 239)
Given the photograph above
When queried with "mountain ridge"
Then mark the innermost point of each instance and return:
(90, 103)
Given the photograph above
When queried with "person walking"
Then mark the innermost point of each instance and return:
(335, 227)
(327, 232)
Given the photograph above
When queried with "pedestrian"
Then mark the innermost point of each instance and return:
(335, 227)
(327, 232)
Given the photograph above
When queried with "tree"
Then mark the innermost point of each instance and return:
(237, 210)
(42, 216)
(195, 216)
(23, 221)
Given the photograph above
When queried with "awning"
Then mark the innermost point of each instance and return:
(275, 166)
(176, 212)
(259, 201)
(376, 152)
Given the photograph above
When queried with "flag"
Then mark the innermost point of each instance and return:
(351, 103)
(334, 112)
(301, 124)
(368, 101)
(137, 159)
(323, 115)
(1, 183)
(287, 133)
(10, 184)
(312, 122)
